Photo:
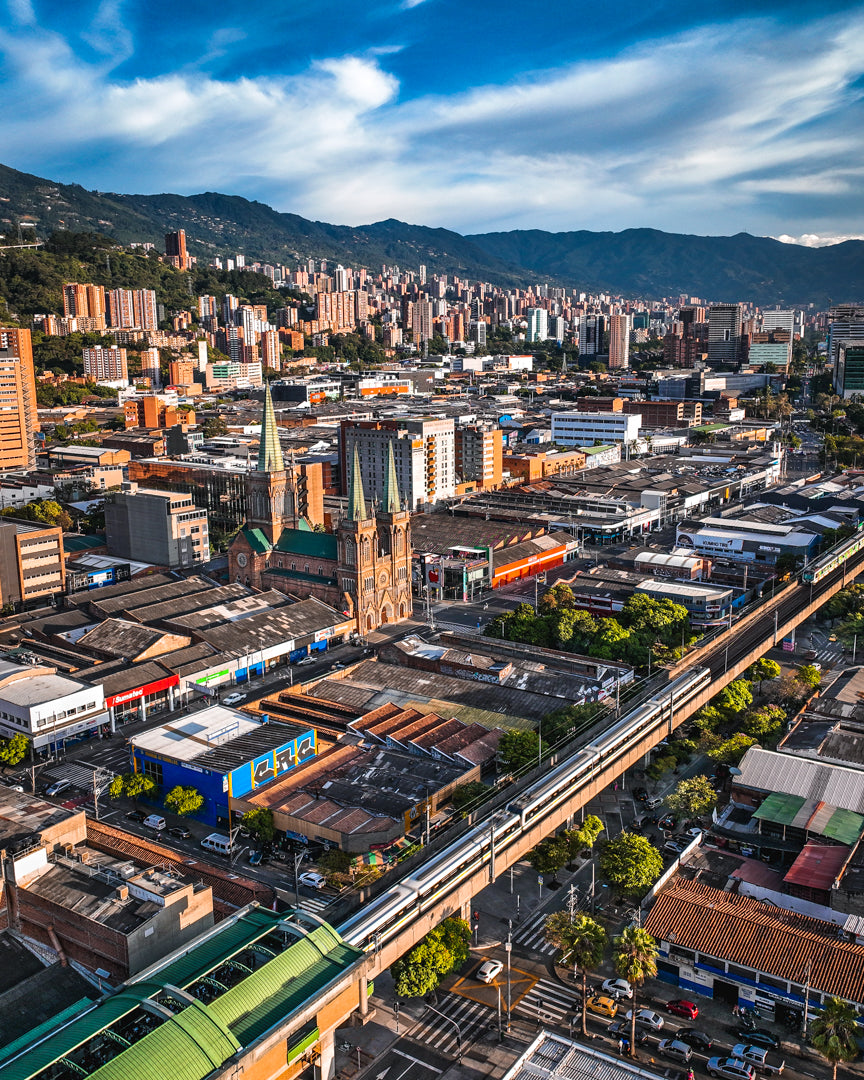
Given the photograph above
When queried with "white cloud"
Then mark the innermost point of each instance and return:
(813, 240)
(716, 130)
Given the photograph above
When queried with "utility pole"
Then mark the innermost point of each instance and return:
(507, 948)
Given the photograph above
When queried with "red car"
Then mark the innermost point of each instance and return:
(687, 1009)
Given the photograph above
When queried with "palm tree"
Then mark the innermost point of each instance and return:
(635, 960)
(582, 941)
(834, 1032)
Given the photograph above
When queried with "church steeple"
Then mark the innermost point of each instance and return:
(269, 450)
(356, 498)
(391, 487)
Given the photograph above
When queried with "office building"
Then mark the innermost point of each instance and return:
(846, 324)
(849, 369)
(424, 452)
(160, 527)
(538, 324)
(587, 428)
(46, 707)
(479, 455)
(31, 561)
(779, 319)
(19, 421)
(771, 347)
(183, 373)
(619, 341)
(592, 331)
(724, 334)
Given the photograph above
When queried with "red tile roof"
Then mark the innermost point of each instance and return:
(769, 939)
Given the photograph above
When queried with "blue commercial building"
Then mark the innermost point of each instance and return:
(223, 753)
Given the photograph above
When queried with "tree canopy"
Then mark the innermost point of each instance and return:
(692, 797)
(582, 943)
(131, 785)
(631, 863)
(259, 822)
(14, 749)
(184, 800)
(516, 749)
(443, 950)
(834, 1032)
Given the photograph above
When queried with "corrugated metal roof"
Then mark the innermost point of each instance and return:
(219, 947)
(844, 826)
(779, 808)
(817, 866)
(767, 770)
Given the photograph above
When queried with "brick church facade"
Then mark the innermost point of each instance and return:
(364, 569)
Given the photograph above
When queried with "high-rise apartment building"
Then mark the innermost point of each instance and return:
(619, 341)
(424, 452)
(175, 250)
(592, 330)
(479, 454)
(132, 309)
(18, 419)
(150, 367)
(84, 301)
(724, 334)
(421, 321)
(106, 364)
(849, 370)
(538, 324)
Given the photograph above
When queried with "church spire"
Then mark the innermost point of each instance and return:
(356, 498)
(391, 488)
(269, 451)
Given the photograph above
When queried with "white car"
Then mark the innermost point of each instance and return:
(234, 699)
(312, 880)
(306, 660)
(618, 988)
(646, 1018)
(487, 972)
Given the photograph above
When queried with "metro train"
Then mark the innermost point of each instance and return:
(833, 558)
(383, 917)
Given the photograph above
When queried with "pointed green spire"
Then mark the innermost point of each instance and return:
(269, 451)
(356, 500)
(391, 488)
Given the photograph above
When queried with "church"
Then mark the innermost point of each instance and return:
(364, 569)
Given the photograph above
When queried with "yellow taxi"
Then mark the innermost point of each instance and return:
(602, 1006)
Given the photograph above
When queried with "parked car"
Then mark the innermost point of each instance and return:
(307, 660)
(620, 1029)
(136, 815)
(759, 1037)
(58, 787)
(617, 988)
(675, 846)
(602, 1006)
(255, 858)
(646, 1018)
(680, 1007)
(730, 1068)
(487, 971)
(696, 1038)
(667, 823)
(695, 833)
(675, 1049)
(312, 880)
(758, 1057)
(233, 699)
(179, 832)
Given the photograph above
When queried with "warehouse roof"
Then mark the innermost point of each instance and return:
(750, 933)
(192, 737)
(769, 771)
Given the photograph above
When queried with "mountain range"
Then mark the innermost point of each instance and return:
(643, 263)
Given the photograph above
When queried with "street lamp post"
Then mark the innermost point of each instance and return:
(450, 1020)
(507, 947)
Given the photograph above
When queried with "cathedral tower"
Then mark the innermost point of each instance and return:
(268, 503)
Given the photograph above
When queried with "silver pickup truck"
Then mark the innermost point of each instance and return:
(757, 1057)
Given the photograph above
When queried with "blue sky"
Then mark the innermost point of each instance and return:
(473, 116)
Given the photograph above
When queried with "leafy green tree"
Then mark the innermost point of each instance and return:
(559, 597)
(214, 426)
(469, 793)
(709, 718)
(517, 749)
(635, 959)
(734, 698)
(764, 723)
(131, 785)
(631, 863)
(259, 823)
(14, 749)
(692, 797)
(585, 837)
(569, 721)
(184, 800)
(455, 936)
(549, 855)
(763, 669)
(834, 1033)
(809, 676)
(582, 942)
(440, 952)
(731, 750)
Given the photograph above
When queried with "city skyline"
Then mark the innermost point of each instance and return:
(678, 119)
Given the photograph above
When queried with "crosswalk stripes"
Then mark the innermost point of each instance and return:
(549, 1001)
(458, 628)
(313, 904)
(440, 1032)
(532, 935)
